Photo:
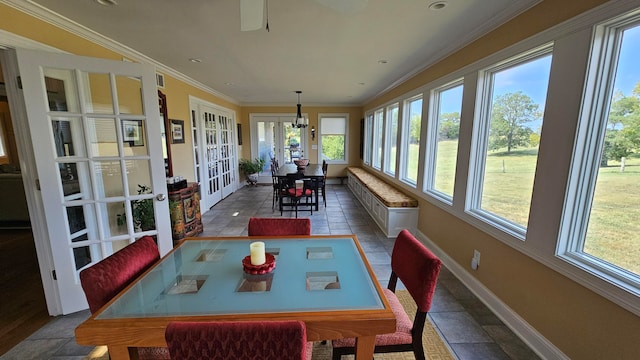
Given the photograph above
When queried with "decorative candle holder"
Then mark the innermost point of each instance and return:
(267, 267)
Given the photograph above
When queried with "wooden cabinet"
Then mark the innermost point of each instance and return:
(184, 207)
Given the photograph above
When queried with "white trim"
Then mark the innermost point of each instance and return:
(41, 13)
(527, 333)
(498, 20)
(195, 104)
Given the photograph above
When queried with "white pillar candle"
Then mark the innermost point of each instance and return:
(256, 249)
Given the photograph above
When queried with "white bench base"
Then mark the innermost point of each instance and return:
(391, 220)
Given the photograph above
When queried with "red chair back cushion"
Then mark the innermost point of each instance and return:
(416, 267)
(279, 226)
(105, 279)
(265, 340)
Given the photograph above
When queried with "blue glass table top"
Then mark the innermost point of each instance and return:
(206, 277)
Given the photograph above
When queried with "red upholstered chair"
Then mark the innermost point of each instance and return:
(418, 269)
(279, 226)
(223, 340)
(105, 279)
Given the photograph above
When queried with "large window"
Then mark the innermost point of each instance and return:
(333, 137)
(507, 136)
(444, 131)
(603, 207)
(391, 142)
(412, 123)
(368, 138)
(378, 120)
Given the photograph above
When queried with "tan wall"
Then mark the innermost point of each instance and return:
(355, 114)
(581, 323)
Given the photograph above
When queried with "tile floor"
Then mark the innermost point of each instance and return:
(468, 327)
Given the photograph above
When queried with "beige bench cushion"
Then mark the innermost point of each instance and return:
(387, 193)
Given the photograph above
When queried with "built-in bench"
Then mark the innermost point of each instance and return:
(392, 209)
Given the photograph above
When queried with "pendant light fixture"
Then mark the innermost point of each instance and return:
(300, 122)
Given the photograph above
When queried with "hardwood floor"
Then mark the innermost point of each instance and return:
(23, 309)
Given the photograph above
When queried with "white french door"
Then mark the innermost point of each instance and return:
(273, 136)
(95, 130)
(214, 152)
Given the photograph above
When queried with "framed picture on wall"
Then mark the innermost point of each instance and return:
(132, 132)
(177, 131)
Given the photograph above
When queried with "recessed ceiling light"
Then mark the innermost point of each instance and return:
(194, 60)
(228, 83)
(383, 61)
(107, 2)
(438, 5)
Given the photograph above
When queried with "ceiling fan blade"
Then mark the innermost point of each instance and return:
(251, 14)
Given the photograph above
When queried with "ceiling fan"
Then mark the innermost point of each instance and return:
(252, 12)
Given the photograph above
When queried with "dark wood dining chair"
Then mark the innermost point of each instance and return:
(322, 184)
(223, 340)
(287, 190)
(279, 226)
(274, 183)
(418, 269)
(106, 278)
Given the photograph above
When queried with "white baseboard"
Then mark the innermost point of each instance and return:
(538, 343)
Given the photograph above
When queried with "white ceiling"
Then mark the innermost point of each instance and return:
(329, 51)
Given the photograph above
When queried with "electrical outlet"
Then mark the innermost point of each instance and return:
(475, 261)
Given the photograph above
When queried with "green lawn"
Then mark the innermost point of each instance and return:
(613, 227)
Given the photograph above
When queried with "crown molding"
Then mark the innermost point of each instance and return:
(508, 13)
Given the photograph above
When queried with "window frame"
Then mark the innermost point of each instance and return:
(405, 127)
(388, 155)
(587, 152)
(480, 140)
(368, 138)
(345, 117)
(377, 148)
(433, 130)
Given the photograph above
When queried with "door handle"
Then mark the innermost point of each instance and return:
(160, 197)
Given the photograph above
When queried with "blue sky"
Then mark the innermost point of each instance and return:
(628, 73)
(532, 78)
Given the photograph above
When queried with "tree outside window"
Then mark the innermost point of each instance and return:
(333, 135)
(504, 176)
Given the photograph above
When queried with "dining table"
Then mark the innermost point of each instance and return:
(323, 280)
(310, 171)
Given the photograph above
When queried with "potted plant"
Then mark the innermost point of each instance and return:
(142, 210)
(251, 169)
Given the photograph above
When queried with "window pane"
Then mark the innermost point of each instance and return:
(377, 139)
(445, 152)
(515, 121)
(412, 129)
(392, 139)
(333, 147)
(332, 138)
(368, 138)
(612, 233)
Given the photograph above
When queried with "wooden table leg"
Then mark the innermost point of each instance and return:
(364, 347)
(122, 353)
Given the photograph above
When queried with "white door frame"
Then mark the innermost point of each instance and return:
(28, 164)
(255, 118)
(197, 123)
